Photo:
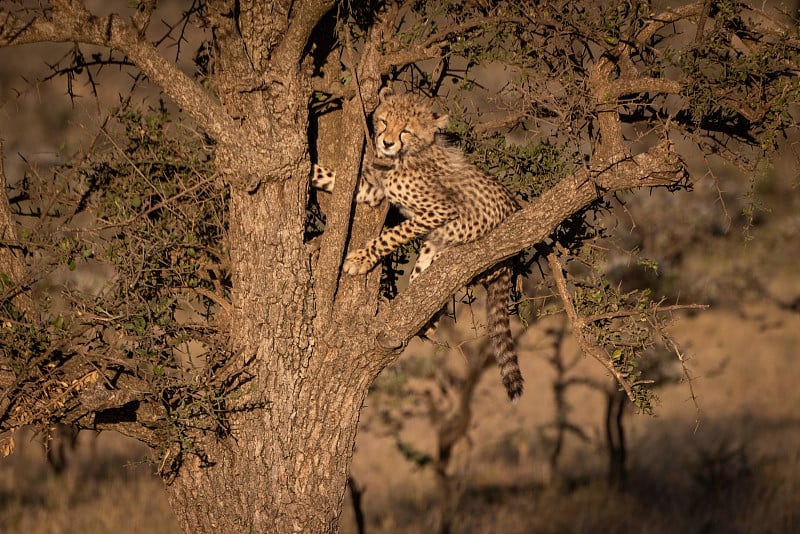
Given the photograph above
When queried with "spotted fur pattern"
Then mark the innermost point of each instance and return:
(445, 200)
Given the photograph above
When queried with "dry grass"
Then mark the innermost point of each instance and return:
(107, 486)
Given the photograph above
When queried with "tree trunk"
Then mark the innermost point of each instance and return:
(284, 466)
(298, 334)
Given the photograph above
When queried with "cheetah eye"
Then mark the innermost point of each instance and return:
(405, 133)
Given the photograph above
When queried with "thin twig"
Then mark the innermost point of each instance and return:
(629, 313)
(685, 370)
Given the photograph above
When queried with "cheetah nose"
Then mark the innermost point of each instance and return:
(387, 143)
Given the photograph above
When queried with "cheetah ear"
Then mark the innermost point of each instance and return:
(441, 121)
(385, 93)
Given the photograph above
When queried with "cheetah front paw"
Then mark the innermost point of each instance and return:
(359, 261)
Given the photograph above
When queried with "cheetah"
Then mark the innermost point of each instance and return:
(444, 199)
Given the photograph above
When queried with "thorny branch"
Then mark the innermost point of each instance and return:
(579, 326)
(663, 309)
(72, 22)
(432, 46)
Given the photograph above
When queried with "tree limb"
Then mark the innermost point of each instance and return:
(640, 85)
(431, 47)
(403, 317)
(305, 17)
(366, 221)
(670, 16)
(72, 22)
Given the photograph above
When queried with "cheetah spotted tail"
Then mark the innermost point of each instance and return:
(499, 330)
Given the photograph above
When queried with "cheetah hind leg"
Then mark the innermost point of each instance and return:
(428, 253)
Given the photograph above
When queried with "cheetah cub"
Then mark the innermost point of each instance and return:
(445, 200)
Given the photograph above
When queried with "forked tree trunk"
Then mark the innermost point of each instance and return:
(284, 466)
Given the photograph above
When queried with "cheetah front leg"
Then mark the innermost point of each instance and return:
(362, 260)
(368, 192)
(322, 178)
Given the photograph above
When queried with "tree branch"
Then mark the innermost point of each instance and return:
(403, 317)
(630, 313)
(670, 16)
(638, 85)
(430, 47)
(72, 22)
(366, 221)
(578, 325)
(305, 17)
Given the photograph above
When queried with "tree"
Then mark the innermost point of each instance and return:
(205, 219)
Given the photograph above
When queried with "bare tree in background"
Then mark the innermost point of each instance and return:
(227, 338)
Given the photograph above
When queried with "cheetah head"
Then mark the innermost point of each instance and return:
(404, 124)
